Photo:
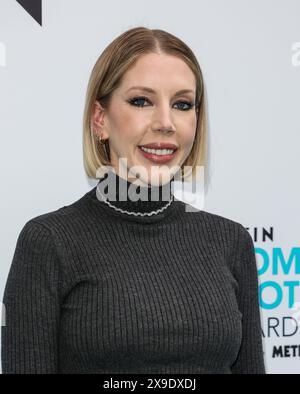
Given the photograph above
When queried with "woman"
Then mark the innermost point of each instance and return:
(138, 284)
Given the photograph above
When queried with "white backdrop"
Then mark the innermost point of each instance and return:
(249, 51)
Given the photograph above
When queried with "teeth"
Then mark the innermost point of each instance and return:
(158, 151)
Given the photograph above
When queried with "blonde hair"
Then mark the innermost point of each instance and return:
(106, 76)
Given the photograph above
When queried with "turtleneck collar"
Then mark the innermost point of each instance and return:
(128, 196)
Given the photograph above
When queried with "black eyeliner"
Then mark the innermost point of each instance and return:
(131, 101)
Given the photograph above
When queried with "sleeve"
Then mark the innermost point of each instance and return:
(250, 359)
(30, 318)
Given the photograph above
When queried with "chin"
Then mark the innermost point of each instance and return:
(152, 175)
(158, 176)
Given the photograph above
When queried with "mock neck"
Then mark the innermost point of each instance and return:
(126, 195)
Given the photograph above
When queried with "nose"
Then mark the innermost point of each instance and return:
(162, 120)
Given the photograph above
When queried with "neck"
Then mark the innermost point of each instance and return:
(128, 196)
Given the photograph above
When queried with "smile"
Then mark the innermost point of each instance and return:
(158, 155)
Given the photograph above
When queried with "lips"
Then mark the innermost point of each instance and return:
(160, 145)
(158, 159)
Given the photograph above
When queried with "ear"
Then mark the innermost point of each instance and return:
(97, 114)
(97, 118)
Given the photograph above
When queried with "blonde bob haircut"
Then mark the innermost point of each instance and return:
(115, 60)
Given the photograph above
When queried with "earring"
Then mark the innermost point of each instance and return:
(102, 142)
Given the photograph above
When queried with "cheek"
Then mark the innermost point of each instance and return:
(128, 128)
(188, 133)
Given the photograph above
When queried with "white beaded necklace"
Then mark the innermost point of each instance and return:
(137, 213)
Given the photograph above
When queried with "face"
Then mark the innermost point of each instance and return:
(137, 117)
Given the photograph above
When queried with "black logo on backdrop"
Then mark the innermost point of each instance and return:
(34, 8)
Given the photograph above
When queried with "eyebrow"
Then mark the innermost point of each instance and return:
(149, 90)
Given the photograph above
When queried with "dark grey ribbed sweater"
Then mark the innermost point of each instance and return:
(94, 290)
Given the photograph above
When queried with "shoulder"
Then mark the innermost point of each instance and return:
(214, 222)
(39, 241)
(60, 219)
(218, 229)
(48, 221)
(217, 219)
(36, 234)
(233, 238)
(64, 223)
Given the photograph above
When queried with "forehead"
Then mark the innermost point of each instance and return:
(159, 71)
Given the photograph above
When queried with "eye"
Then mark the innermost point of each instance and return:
(136, 99)
(139, 99)
(189, 105)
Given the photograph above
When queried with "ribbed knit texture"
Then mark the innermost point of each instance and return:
(93, 290)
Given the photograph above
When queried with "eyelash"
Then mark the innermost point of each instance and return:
(131, 101)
